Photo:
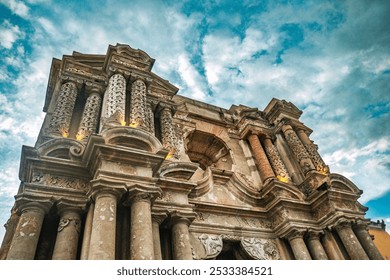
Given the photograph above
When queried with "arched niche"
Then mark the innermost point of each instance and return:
(208, 150)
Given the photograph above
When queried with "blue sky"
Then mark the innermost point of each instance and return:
(330, 58)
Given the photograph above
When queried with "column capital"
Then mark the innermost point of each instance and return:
(66, 206)
(143, 193)
(295, 233)
(24, 204)
(159, 216)
(181, 217)
(342, 224)
(313, 234)
(361, 225)
(92, 88)
(103, 188)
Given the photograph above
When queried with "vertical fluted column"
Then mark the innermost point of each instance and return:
(68, 235)
(169, 139)
(60, 120)
(87, 233)
(312, 150)
(298, 245)
(25, 241)
(89, 120)
(141, 230)
(102, 244)
(315, 247)
(298, 148)
(138, 110)
(10, 227)
(181, 237)
(276, 162)
(150, 118)
(367, 242)
(351, 243)
(157, 219)
(262, 162)
(115, 100)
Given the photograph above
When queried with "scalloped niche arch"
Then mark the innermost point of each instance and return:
(208, 150)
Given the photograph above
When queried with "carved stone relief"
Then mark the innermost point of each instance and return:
(90, 116)
(299, 150)
(275, 161)
(59, 181)
(260, 249)
(169, 138)
(138, 104)
(62, 115)
(116, 97)
(233, 221)
(64, 222)
(212, 243)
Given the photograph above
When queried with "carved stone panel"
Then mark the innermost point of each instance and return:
(62, 115)
(138, 104)
(90, 116)
(260, 249)
(116, 97)
(59, 181)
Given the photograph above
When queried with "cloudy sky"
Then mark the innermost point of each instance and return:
(330, 58)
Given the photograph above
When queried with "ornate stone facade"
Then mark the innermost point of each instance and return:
(126, 168)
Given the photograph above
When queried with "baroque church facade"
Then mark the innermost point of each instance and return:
(126, 168)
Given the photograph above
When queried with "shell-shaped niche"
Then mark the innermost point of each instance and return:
(130, 137)
(208, 150)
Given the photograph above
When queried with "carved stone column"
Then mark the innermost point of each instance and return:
(68, 235)
(10, 227)
(169, 139)
(90, 116)
(141, 230)
(150, 118)
(25, 240)
(138, 110)
(312, 150)
(351, 243)
(60, 120)
(315, 246)
(115, 100)
(87, 233)
(262, 162)
(298, 149)
(102, 244)
(298, 245)
(157, 219)
(275, 160)
(366, 242)
(331, 247)
(181, 237)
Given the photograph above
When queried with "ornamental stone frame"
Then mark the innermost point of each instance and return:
(149, 174)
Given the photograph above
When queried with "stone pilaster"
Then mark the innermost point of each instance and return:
(68, 234)
(150, 118)
(59, 124)
(25, 240)
(10, 227)
(141, 230)
(102, 243)
(366, 241)
(276, 162)
(89, 120)
(157, 219)
(169, 138)
(315, 247)
(312, 150)
(115, 100)
(351, 243)
(182, 249)
(298, 149)
(265, 169)
(87, 233)
(298, 245)
(138, 109)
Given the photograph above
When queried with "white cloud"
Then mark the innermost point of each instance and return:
(17, 7)
(9, 34)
